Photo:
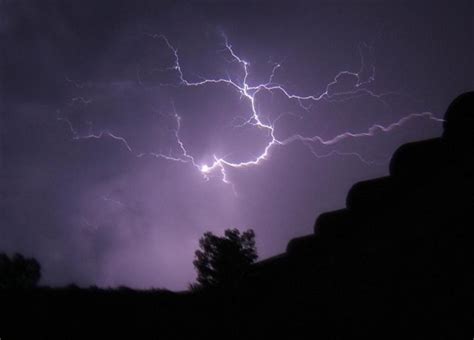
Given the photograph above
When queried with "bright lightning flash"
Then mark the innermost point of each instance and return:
(249, 92)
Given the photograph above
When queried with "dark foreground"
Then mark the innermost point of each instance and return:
(397, 262)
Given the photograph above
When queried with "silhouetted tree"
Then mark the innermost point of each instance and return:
(223, 260)
(19, 272)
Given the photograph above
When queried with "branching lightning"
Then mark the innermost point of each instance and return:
(91, 135)
(249, 92)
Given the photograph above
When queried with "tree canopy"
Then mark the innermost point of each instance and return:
(223, 260)
(18, 271)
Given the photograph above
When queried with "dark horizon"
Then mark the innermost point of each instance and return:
(90, 98)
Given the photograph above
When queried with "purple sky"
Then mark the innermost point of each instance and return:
(107, 211)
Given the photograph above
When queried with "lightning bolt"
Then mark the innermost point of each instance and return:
(97, 135)
(111, 200)
(249, 92)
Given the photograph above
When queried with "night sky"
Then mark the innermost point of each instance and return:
(108, 140)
